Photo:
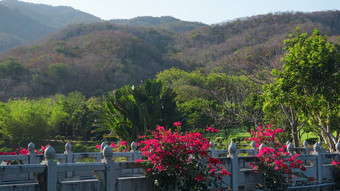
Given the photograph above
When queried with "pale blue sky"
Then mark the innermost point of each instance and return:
(206, 11)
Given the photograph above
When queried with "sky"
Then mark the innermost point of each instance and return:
(205, 11)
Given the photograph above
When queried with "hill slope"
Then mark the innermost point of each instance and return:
(17, 28)
(25, 22)
(165, 22)
(99, 57)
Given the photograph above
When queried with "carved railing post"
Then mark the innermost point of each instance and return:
(212, 149)
(290, 148)
(135, 155)
(262, 146)
(319, 162)
(102, 146)
(111, 174)
(305, 146)
(253, 146)
(32, 154)
(51, 169)
(233, 154)
(69, 156)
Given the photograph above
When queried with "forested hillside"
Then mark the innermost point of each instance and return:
(22, 22)
(165, 22)
(99, 57)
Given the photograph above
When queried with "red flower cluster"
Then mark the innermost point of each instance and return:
(264, 135)
(178, 123)
(114, 146)
(23, 151)
(213, 130)
(275, 163)
(179, 156)
(336, 164)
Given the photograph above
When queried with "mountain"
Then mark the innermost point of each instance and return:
(99, 57)
(165, 22)
(52, 16)
(17, 28)
(91, 58)
(250, 45)
(22, 22)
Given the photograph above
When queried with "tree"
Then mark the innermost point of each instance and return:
(82, 120)
(309, 81)
(23, 121)
(132, 111)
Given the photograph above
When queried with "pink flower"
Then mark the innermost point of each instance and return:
(123, 143)
(113, 145)
(178, 123)
(98, 147)
(24, 151)
(199, 177)
(213, 130)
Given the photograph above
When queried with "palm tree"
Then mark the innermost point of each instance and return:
(131, 112)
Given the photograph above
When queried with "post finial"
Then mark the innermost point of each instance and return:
(102, 146)
(317, 147)
(31, 147)
(212, 145)
(232, 148)
(262, 146)
(49, 152)
(253, 145)
(107, 152)
(134, 146)
(290, 148)
(68, 146)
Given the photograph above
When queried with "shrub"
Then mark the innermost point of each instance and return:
(180, 159)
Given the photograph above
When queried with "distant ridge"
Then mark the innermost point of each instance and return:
(22, 22)
(164, 22)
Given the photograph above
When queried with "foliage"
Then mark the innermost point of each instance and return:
(276, 165)
(132, 111)
(215, 98)
(309, 81)
(100, 57)
(23, 121)
(180, 159)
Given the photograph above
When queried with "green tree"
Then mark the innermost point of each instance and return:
(11, 68)
(82, 120)
(23, 121)
(132, 111)
(309, 81)
(63, 110)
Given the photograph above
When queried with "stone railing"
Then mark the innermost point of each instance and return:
(53, 171)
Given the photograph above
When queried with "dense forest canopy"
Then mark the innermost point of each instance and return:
(99, 57)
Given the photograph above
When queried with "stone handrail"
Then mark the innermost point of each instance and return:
(50, 175)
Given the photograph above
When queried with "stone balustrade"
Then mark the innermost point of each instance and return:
(54, 172)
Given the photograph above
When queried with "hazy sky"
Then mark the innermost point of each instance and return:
(206, 11)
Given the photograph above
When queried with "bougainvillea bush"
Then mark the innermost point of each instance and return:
(175, 159)
(336, 172)
(278, 167)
